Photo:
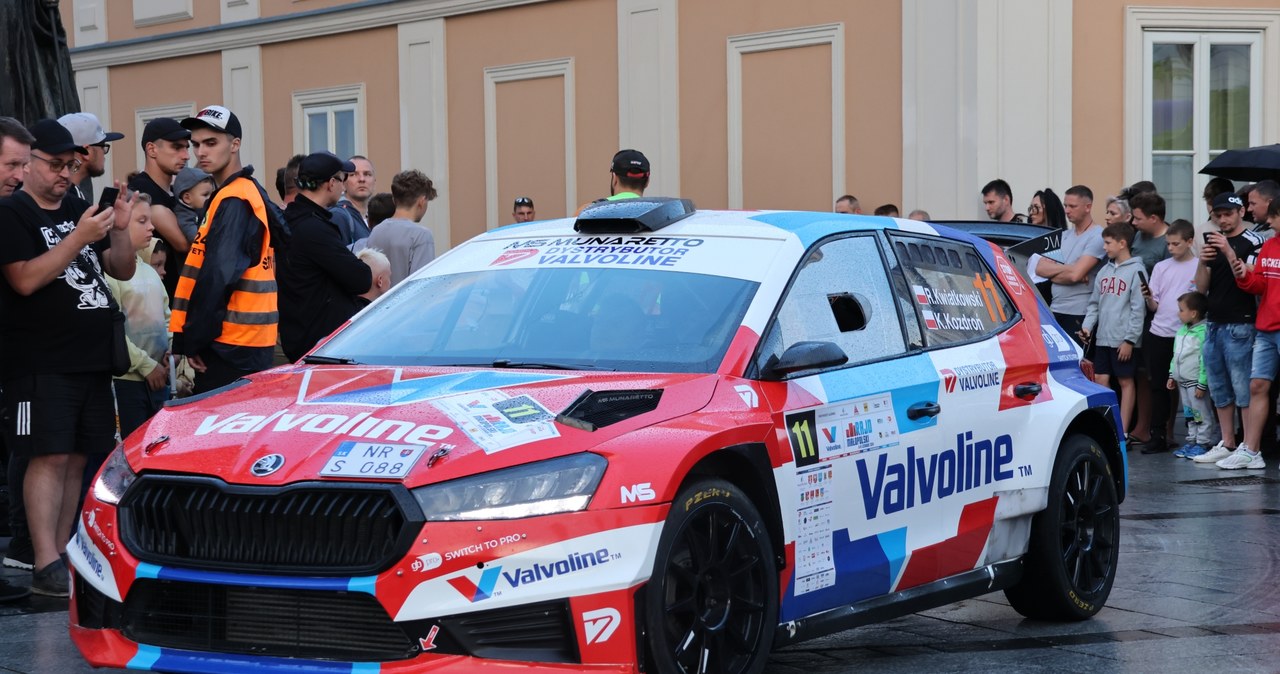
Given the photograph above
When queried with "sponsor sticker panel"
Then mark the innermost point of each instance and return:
(495, 421)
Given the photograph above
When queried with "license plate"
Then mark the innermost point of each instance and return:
(373, 460)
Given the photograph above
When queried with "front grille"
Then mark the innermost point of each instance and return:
(311, 624)
(534, 632)
(318, 529)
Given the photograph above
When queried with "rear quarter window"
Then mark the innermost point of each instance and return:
(955, 295)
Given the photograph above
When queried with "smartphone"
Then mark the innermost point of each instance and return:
(1142, 278)
(108, 198)
(1206, 236)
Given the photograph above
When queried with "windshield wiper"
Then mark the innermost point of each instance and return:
(507, 363)
(328, 360)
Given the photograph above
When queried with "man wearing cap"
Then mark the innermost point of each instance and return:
(57, 328)
(1228, 345)
(224, 316)
(87, 132)
(165, 148)
(322, 279)
(628, 175)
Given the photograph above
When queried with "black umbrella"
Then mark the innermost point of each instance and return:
(1252, 164)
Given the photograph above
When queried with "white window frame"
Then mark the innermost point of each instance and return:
(1145, 25)
(142, 116)
(330, 99)
(154, 12)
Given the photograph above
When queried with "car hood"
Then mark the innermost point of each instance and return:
(475, 420)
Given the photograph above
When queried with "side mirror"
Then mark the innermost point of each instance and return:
(805, 356)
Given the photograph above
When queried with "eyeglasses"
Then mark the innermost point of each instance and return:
(524, 201)
(106, 149)
(57, 165)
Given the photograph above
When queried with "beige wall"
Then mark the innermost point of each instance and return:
(873, 86)
(585, 30)
(531, 146)
(350, 58)
(1098, 79)
(120, 26)
(277, 7)
(196, 79)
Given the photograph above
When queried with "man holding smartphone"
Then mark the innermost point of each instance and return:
(1228, 346)
(57, 333)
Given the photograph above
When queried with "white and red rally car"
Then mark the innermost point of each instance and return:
(648, 439)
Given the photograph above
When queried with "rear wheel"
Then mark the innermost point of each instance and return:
(1071, 560)
(712, 603)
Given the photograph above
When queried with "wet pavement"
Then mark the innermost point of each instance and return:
(1197, 591)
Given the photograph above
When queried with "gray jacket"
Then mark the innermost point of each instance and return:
(1116, 306)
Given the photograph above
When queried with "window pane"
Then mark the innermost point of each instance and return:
(1228, 96)
(317, 132)
(344, 132)
(1171, 96)
(1174, 179)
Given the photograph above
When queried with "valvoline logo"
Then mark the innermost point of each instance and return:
(487, 586)
(949, 380)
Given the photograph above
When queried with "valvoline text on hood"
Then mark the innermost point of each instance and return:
(362, 425)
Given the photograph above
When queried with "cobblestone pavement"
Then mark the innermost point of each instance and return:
(1197, 591)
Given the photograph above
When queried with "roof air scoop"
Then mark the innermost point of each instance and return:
(633, 216)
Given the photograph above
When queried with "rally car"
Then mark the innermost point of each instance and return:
(650, 438)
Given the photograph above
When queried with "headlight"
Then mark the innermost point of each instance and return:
(114, 478)
(555, 486)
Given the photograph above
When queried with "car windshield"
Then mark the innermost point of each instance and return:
(637, 320)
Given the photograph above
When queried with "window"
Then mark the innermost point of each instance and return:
(330, 119)
(1204, 96)
(956, 297)
(840, 295)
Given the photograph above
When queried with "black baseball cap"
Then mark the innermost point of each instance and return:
(163, 128)
(323, 165)
(1227, 201)
(214, 117)
(53, 138)
(630, 163)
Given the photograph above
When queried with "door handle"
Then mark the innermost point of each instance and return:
(925, 409)
(1027, 391)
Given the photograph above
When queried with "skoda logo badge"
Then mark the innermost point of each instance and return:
(267, 465)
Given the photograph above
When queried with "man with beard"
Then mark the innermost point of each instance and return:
(87, 132)
(322, 279)
(57, 332)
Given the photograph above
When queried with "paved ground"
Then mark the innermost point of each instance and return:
(1197, 592)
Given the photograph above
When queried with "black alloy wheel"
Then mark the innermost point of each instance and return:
(712, 603)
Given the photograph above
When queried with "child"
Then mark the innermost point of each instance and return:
(1171, 278)
(142, 390)
(1188, 376)
(1117, 309)
(1262, 279)
(192, 188)
(159, 256)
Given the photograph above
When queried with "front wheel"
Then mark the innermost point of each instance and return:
(712, 603)
(1075, 541)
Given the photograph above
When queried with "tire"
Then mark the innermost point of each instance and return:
(1070, 564)
(712, 603)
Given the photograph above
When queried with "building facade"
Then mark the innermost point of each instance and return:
(737, 103)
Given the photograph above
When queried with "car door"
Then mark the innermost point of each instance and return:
(850, 503)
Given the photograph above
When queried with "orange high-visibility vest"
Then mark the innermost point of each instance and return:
(252, 317)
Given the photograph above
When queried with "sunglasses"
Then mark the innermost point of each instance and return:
(524, 201)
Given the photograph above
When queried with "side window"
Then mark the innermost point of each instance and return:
(841, 295)
(956, 296)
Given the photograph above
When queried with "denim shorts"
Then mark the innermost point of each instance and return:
(1266, 355)
(1228, 357)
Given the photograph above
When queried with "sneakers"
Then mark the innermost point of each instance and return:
(1243, 458)
(1195, 450)
(11, 592)
(21, 555)
(1181, 452)
(52, 581)
(1218, 453)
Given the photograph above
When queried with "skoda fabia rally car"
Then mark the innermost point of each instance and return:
(648, 439)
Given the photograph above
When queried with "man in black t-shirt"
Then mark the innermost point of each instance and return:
(1228, 346)
(57, 332)
(166, 146)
